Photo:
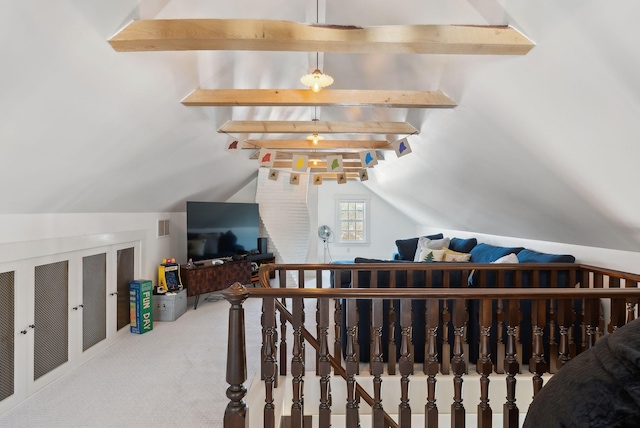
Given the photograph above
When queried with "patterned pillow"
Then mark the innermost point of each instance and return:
(455, 256)
(432, 244)
(429, 255)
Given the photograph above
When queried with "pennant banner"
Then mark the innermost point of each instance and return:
(295, 178)
(364, 175)
(300, 163)
(334, 163)
(317, 179)
(342, 178)
(233, 144)
(267, 157)
(368, 158)
(402, 147)
(273, 174)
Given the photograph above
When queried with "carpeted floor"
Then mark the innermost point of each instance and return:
(173, 376)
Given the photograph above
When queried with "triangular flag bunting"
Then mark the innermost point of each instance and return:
(273, 174)
(317, 179)
(334, 163)
(364, 175)
(267, 157)
(300, 163)
(368, 158)
(295, 178)
(402, 147)
(342, 178)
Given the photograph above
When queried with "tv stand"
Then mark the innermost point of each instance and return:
(261, 259)
(208, 278)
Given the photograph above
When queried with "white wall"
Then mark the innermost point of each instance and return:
(60, 230)
(386, 223)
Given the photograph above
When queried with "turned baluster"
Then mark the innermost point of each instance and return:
(564, 326)
(431, 365)
(235, 414)
(324, 365)
(445, 367)
(631, 303)
(405, 364)
(269, 360)
(373, 283)
(457, 365)
(511, 365)
(537, 364)
(297, 366)
(428, 279)
(553, 316)
(282, 276)
(500, 351)
(377, 363)
(337, 318)
(351, 364)
(391, 344)
(484, 366)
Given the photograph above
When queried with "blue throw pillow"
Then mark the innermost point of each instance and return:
(530, 256)
(462, 245)
(407, 247)
(485, 253)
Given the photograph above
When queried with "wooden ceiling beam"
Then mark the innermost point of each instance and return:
(322, 145)
(274, 35)
(327, 97)
(351, 165)
(319, 127)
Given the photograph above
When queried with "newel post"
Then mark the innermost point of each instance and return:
(236, 412)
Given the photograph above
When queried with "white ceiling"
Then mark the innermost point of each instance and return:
(542, 146)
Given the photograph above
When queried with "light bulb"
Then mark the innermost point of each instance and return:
(316, 86)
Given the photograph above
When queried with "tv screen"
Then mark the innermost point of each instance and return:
(221, 229)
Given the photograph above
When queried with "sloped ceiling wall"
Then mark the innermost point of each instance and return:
(542, 146)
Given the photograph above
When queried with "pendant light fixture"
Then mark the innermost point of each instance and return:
(317, 79)
(315, 137)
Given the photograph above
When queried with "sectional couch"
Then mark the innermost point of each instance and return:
(458, 251)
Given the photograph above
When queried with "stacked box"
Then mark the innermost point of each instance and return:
(141, 305)
(170, 306)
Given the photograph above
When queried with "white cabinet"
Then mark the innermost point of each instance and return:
(58, 310)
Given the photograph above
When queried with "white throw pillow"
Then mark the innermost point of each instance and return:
(432, 244)
(509, 258)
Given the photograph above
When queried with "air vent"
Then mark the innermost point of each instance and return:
(163, 228)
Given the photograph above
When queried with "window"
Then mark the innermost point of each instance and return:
(352, 220)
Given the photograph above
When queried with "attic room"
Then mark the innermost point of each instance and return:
(102, 147)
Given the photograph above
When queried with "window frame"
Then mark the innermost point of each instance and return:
(364, 199)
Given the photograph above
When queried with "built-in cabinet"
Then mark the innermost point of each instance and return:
(57, 311)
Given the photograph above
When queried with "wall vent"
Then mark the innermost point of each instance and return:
(163, 228)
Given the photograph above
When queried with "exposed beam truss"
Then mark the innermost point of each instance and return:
(316, 155)
(273, 35)
(319, 127)
(322, 145)
(305, 97)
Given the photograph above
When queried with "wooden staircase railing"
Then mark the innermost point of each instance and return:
(552, 314)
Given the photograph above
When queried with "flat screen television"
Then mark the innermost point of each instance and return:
(221, 229)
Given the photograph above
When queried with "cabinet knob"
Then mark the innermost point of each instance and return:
(113, 294)
(23, 332)
(32, 326)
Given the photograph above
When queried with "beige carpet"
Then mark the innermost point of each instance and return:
(173, 376)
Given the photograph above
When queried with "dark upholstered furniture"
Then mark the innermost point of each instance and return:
(480, 253)
(598, 388)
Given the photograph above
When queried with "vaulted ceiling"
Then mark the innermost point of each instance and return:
(541, 144)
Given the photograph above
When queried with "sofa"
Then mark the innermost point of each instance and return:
(457, 250)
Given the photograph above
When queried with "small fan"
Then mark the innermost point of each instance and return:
(324, 232)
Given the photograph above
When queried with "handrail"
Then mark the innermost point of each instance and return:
(449, 293)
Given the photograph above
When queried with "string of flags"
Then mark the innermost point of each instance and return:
(334, 163)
